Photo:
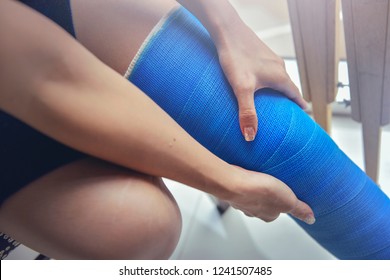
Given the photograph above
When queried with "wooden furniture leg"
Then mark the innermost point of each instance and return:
(315, 28)
(366, 25)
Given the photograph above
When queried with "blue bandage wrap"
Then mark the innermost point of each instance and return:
(179, 69)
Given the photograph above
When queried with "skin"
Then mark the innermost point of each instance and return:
(248, 66)
(98, 207)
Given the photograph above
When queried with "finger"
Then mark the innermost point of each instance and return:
(247, 115)
(268, 218)
(303, 212)
(248, 214)
(288, 202)
(292, 92)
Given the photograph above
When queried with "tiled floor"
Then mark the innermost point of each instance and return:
(207, 235)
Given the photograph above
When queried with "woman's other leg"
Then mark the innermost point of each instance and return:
(91, 209)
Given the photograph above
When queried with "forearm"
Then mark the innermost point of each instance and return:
(58, 87)
(218, 16)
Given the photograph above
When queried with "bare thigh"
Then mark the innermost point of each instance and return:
(115, 30)
(91, 209)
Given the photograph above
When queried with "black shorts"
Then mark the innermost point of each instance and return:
(25, 153)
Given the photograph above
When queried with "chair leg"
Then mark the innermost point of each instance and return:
(371, 140)
(222, 206)
(315, 27)
(42, 257)
(368, 49)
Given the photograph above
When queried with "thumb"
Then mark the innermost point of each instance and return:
(303, 212)
(247, 115)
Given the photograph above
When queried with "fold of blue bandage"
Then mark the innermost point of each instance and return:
(179, 70)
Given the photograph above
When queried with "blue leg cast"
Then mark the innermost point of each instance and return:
(179, 70)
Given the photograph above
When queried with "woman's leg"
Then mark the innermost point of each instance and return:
(179, 70)
(91, 209)
(114, 31)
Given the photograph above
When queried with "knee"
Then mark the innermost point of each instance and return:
(146, 224)
(95, 211)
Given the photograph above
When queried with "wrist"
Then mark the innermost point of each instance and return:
(224, 26)
(224, 184)
(219, 24)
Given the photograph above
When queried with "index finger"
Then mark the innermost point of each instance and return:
(292, 92)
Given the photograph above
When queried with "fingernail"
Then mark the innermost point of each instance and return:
(249, 134)
(309, 220)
